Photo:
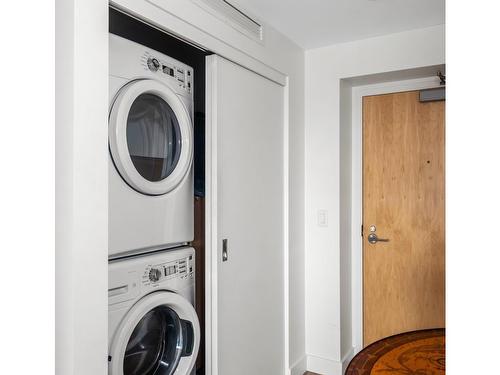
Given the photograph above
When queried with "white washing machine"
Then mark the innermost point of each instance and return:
(151, 149)
(153, 327)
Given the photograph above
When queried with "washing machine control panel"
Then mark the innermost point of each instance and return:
(169, 68)
(157, 273)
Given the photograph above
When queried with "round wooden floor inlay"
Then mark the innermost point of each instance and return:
(412, 353)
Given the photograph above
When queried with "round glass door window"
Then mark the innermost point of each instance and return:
(150, 137)
(153, 137)
(155, 346)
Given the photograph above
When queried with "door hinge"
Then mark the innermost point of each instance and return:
(361, 230)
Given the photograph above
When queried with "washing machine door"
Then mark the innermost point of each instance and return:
(160, 335)
(150, 137)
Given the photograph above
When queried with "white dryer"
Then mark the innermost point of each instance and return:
(151, 149)
(153, 327)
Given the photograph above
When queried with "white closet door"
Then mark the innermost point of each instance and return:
(246, 132)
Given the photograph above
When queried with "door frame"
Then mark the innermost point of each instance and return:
(358, 92)
(81, 187)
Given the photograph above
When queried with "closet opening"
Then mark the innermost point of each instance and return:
(133, 29)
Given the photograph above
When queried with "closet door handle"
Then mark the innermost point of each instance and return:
(224, 250)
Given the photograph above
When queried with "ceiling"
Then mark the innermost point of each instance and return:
(317, 23)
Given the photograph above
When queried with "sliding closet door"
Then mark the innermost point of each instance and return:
(246, 130)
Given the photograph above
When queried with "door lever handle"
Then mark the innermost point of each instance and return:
(373, 239)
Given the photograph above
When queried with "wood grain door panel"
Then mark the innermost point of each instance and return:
(403, 196)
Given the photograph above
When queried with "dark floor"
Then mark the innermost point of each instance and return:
(416, 352)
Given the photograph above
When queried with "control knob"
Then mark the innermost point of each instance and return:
(153, 64)
(154, 274)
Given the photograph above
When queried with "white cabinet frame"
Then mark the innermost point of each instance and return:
(81, 187)
(82, 172)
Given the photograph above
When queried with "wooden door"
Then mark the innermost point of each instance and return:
(403, 197)
(246, 115)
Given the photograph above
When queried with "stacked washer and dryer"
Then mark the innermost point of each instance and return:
(153, 326)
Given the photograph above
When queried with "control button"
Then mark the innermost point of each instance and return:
(154, 274)
(168, 70)
(153, 64)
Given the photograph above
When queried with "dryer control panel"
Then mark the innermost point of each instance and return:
(130, 60)
(169, 68)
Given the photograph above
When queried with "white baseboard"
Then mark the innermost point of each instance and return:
(346, 359)
(325, 366)
(299, 367)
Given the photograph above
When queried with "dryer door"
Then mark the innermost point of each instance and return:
(159, 336)
(150, 137)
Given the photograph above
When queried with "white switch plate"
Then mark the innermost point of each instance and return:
(322, 218)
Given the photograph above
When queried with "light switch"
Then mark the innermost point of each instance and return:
(322, 218)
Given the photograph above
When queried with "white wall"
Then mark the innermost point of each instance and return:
(328, 258)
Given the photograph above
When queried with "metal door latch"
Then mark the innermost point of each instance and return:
(373, 239)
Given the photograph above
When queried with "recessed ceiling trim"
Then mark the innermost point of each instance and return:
(321, 23)
(234, 17)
